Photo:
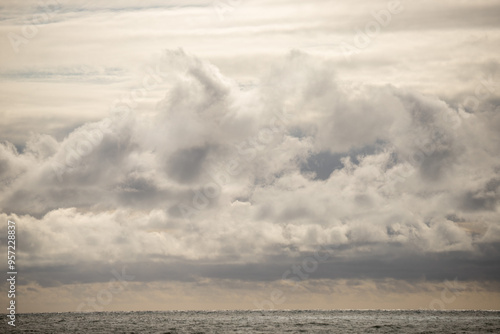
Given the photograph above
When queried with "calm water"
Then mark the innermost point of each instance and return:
(261, 322)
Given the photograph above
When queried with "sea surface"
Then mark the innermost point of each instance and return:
(352, 321)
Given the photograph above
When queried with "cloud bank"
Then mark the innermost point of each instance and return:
(241, 183)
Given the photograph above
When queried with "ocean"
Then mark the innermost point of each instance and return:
(307, 321)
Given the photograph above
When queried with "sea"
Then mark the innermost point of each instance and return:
(305, 321)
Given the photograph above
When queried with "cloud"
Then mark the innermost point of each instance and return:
(395, 183)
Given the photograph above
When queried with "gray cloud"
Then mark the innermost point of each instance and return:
(186, 165)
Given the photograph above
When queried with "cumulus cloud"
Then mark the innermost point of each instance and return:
(221, 182)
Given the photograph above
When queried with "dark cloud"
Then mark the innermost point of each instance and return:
(381, 264)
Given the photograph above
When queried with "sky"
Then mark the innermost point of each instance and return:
(246, 154)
